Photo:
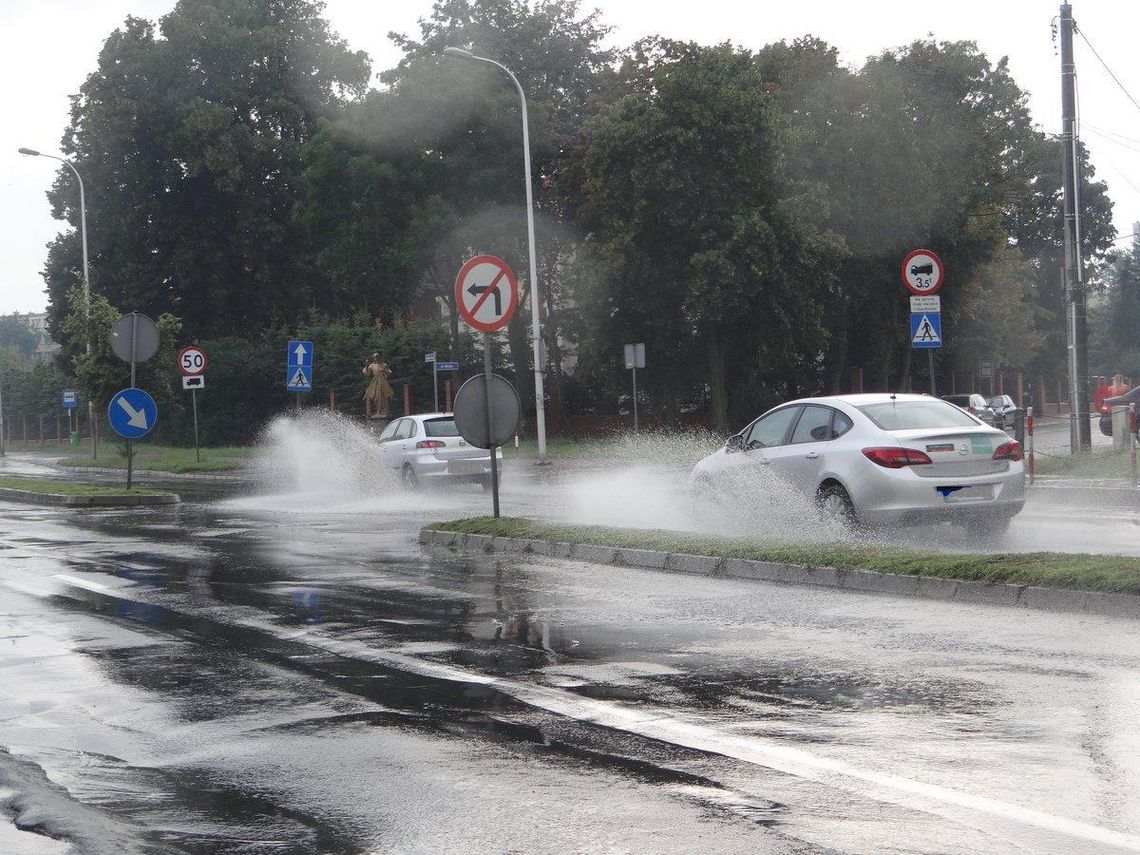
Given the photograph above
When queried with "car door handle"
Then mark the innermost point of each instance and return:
(812, 456)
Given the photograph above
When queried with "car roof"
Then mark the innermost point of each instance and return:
(420, 417)
(860, 399)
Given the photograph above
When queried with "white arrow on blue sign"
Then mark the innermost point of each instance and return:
(132, 413)
(925, 330)
(300, 353)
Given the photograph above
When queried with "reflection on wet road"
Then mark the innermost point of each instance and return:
(294, 673)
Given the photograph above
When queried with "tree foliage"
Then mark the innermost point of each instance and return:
(190, 138)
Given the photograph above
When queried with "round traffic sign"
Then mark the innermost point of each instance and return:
(486, 293)
(922, 272)
(470, 411)
(134, 338)
(192, 361)
(132, 413)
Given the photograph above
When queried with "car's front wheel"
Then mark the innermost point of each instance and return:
(835, 505)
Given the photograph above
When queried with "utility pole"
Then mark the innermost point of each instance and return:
(1080, 429)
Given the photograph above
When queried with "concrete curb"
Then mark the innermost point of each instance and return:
(111, 501)
(862, 581)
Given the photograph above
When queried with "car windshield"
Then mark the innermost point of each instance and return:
(440, 427)
(1000, 401)
(912, 415)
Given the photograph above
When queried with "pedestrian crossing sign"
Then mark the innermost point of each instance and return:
(299, 378)
(925, 329)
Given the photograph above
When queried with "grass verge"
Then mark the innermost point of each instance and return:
(1101, 464)
(162, 458)
(68, 488)
(1118, 574)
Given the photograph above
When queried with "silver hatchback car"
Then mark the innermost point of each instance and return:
(878, 459)
(428, 448)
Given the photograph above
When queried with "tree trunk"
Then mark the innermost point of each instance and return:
(717, 381)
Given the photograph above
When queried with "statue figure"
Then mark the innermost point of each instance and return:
(379, 392)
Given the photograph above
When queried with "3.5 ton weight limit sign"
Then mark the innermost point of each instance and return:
(486, 293)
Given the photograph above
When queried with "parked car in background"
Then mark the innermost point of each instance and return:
(876, 459)
(974, 404)
(428, 448)
(1132, 396)
(1004, 410)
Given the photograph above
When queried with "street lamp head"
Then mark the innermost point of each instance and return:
(30, 151)
(458, 53)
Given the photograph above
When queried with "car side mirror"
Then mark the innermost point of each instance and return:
(735, 443)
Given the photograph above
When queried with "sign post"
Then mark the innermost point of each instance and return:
(634, 359)
(134, 339)
(192, 363)
(430, 358)
(486, 295)
(69, 400)
(922, 274)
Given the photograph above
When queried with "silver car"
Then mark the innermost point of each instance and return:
(877, 459)
(428, 448)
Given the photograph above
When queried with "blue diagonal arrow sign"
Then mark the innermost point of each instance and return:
(132, 413)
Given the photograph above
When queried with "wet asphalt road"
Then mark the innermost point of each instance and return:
(291, 672)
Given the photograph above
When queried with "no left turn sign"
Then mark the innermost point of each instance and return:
(486, 293)
(922, 272)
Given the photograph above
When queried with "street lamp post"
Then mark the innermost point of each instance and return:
(539, 394)
(31, 152)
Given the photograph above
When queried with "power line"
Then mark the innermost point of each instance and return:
(1114, 135)
(1111, 139)
(1127, 237)
(1116, 79)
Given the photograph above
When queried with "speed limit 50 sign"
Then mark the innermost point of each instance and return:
(192, 361)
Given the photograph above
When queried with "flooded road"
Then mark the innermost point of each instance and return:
(292, 672)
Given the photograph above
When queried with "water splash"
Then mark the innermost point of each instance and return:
(321, 454)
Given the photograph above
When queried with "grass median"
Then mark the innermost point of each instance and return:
(69, 488)
(163, 458)
(1110, 573)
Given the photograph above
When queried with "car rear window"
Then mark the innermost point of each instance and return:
(914, 415)
(440, 427)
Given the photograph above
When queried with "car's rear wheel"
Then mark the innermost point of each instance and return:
(408, 479)
(835, 505)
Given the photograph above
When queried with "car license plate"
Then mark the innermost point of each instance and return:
(975, 493)
(465, 467)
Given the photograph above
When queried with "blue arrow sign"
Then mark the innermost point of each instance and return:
(925, 330)
(447, 366)
(70, 399)
(299, 378)
(132, 413)
(299, 353)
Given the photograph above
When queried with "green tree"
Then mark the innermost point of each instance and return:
(189, 140)
(420, 176)
(711, 254)
(15, 332)
(1115, 332)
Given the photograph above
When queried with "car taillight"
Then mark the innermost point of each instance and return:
(430, 443)
(896, 458)
(1008, 451)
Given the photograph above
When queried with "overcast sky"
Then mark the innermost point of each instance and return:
(47, 47)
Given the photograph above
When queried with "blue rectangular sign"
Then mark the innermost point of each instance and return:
(447, 366)
(299, 378)
(70, 399)
(299, 353)
(925, 330)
